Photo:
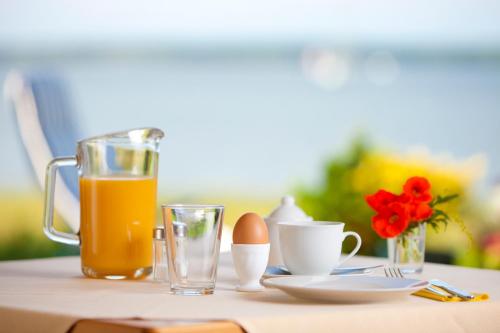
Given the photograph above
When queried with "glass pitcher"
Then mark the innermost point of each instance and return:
(118, 180)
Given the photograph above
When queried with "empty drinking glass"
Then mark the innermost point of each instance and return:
(193, 234)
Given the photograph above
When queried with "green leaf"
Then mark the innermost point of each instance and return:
(443, 199)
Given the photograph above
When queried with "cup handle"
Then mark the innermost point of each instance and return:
(48, 215)
(356, 249)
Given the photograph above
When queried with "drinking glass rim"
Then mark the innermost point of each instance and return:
(192, 206)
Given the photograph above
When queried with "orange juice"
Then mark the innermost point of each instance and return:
(117, 219)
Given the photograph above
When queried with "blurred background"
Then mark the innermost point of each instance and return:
(324, 100)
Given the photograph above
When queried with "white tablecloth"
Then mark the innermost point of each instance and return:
(49, 295)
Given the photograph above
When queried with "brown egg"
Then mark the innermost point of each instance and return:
(250, 229)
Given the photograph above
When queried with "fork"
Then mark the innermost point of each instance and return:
(435, 286)
(395, 272)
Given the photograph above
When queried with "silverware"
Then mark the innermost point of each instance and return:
(451, 289)
(438, 292)
(349, 270)
(395, 272)
(280, 270)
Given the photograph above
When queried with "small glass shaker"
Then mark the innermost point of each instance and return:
(160, 268)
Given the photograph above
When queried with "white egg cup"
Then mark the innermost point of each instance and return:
(250, 261)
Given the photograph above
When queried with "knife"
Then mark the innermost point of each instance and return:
(451, 289)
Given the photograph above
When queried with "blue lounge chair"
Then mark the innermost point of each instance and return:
(47, 126)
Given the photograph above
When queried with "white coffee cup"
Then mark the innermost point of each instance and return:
(313, 248)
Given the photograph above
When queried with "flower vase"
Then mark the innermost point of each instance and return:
(407, 251)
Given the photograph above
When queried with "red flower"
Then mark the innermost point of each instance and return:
(418, 188)
(392, 220)
(380, 200)
(396, 212)
(420, 212)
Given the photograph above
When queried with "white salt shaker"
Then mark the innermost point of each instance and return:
(287, 211)
(160, 269)
(250, 250)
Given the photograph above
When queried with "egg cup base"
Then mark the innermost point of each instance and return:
(254, 287)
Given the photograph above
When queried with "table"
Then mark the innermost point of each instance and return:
(51, 295)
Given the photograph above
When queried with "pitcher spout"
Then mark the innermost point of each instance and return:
(135, 135)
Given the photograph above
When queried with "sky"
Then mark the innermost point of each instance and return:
(38, 24)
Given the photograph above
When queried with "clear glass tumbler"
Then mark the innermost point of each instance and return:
(193, 234)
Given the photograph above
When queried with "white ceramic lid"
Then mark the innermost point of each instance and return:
(288, 211)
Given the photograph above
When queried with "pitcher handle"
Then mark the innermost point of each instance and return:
(48, 215)
(356, 249)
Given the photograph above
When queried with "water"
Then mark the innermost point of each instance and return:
(258, 125)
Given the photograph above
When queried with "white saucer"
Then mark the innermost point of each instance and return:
(278, 271)
(342, 289)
